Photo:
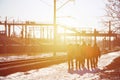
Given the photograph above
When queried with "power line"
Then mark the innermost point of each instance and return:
(64, 4)
(45, 3)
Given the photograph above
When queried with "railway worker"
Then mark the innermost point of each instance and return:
(89, 54)
(70, 56)
(83, 53)
(96, 55)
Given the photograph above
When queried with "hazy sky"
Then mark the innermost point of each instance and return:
(83, 12)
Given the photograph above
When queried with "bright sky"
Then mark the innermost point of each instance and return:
(85, 13)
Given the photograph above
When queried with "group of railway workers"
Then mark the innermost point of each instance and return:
(79, 55)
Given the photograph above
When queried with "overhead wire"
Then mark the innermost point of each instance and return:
(46, 3)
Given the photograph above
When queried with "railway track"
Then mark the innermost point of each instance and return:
(7, 68)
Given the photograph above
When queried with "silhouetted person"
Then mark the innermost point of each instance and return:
(89, 55)
(83, 53)
(80, 57)
(70, 56)
(77, 56)
(96, 55)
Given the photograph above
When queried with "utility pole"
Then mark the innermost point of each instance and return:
(13, 27)
(4, 40)
(55, 28)
(109, 35)
(6, 26)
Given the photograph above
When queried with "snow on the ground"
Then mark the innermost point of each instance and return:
(107, 58)
(22, 57)
(60, 72)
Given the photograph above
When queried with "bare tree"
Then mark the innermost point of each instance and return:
(113, 14)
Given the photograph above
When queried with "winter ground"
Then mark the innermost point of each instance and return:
(4, 58)
(60, 72)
